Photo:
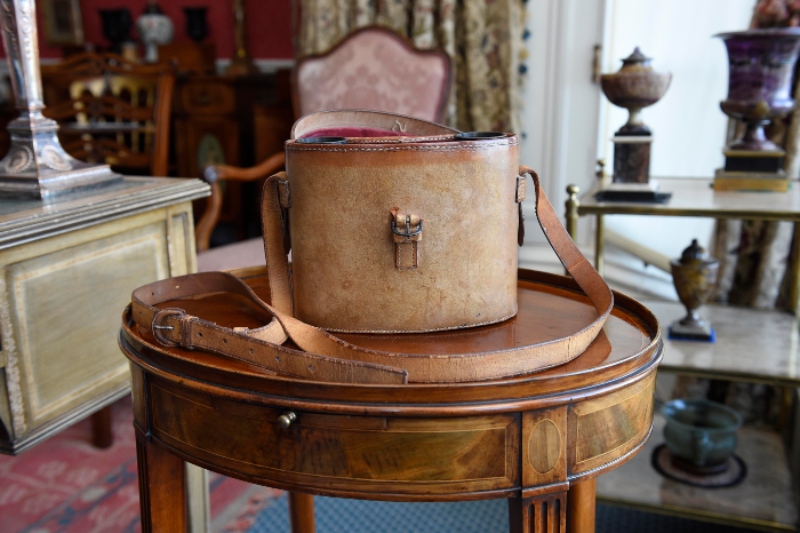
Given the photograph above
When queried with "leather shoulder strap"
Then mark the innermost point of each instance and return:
(588, 279)
(324, 357)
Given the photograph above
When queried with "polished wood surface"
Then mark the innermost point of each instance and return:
(102, 435)
(529, 438)
(162, 487)
(581, 512)
(229, 120)
(301, 511)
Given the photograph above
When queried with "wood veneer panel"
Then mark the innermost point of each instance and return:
(608, 427)
(544, 443)
(479, 452)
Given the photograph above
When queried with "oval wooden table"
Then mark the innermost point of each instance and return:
(538, 440)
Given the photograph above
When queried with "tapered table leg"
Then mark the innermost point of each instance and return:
(301, 512)
(102, 436)
(162, 489)
(540, 514)
(581, 510)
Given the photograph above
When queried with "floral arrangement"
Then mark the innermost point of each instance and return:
(776, 14)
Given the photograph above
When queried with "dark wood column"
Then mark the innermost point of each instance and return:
(162, 488)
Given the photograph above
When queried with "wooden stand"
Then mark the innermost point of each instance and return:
(537, 440)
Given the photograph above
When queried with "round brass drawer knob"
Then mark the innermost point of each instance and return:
(286, 419)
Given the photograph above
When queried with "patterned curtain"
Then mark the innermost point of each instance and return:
(757, 257)
(483, 37)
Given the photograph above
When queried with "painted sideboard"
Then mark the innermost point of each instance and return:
(67, 269)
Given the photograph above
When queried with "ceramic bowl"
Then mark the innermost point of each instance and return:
(701, 432)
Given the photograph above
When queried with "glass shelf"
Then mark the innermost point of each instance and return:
(751, 345)
(764, 499)
(695, 197)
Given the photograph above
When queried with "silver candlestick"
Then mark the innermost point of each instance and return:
(36, 165)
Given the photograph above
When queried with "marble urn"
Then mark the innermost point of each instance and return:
(761, 64)
(635, 86)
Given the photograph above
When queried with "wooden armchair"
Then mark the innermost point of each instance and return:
(373, 68)
(111, 110)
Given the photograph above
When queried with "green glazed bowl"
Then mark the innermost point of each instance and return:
(701, 432)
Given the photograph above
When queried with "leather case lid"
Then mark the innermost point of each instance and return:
(372, 120)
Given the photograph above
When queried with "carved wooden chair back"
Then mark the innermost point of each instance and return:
(374, 68)
(111, 110)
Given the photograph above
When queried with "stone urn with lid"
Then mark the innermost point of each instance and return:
(694, 275)
(635, 86)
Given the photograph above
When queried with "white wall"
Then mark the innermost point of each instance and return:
(561, 104)
(569, 122)
(687, 124)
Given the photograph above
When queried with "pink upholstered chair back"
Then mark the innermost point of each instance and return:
(377, 69)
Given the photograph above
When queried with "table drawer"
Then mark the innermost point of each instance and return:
(340, 452)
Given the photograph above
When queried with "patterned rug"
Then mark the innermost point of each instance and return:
(65, 485)
(335, 515)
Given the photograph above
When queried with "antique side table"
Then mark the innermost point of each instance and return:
(538, 440)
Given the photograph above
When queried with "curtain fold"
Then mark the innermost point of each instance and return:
(482, 37)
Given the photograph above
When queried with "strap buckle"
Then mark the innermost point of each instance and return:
(408, 232)
(406, 253)
(158, 326)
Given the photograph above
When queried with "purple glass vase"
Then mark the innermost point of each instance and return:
(761, 64)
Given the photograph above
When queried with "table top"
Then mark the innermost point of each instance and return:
(23, 220)
(518, 437)
(549, 306)
(751, 344)
(696, 197)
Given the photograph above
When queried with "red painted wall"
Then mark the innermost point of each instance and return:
(269, 24)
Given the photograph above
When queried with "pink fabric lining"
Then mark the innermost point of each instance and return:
(352, 131)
